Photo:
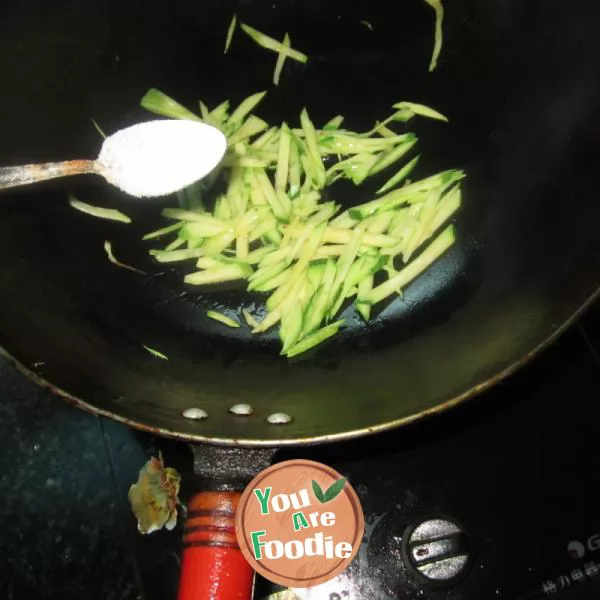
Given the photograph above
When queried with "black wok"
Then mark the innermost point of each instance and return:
(519, 81)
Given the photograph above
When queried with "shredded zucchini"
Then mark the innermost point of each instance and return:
(220, 274)
(272, 44)
(111, 257)
(438, 39)
(273, 227)
(217, 316)
(412, 270)
(421, 110)
(272, 231)
(314, 339)
(400, 176)
(156, 353)
(97, 211)
(156, 102)
(245, 108)
(269, 218)
(97, 127)
(230, 33)
(287, 42)
(249, 318)
(163, 231)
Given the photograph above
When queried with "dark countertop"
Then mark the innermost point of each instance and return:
(66, 528)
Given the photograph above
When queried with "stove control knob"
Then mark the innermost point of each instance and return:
(437, 550)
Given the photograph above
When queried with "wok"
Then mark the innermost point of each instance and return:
(519, 81)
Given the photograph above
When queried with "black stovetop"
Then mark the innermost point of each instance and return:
(516, 469)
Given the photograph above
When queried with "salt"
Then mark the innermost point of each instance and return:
(157, 158)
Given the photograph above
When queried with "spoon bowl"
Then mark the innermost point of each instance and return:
(157, 158)
(146, 160)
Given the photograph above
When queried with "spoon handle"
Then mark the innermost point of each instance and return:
(26, 174)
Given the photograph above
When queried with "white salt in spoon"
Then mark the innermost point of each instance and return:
(150, 159)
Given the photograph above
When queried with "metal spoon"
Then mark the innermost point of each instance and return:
(150, 159)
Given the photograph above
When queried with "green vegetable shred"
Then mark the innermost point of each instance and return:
(230, 33)
(217, 316)
(438, 39)
(272, 44)
(97, 211)
(156, 353)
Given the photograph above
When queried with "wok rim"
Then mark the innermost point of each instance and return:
(440, 408)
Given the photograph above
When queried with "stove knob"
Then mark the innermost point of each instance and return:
(437, 550)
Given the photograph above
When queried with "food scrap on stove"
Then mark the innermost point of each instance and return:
(154, 498)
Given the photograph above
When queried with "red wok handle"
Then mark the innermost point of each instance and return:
(213, 566)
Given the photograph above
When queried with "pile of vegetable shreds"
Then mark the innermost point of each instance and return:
(271, 228)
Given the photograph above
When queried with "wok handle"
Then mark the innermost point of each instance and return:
(213, 566)
(11, 177)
